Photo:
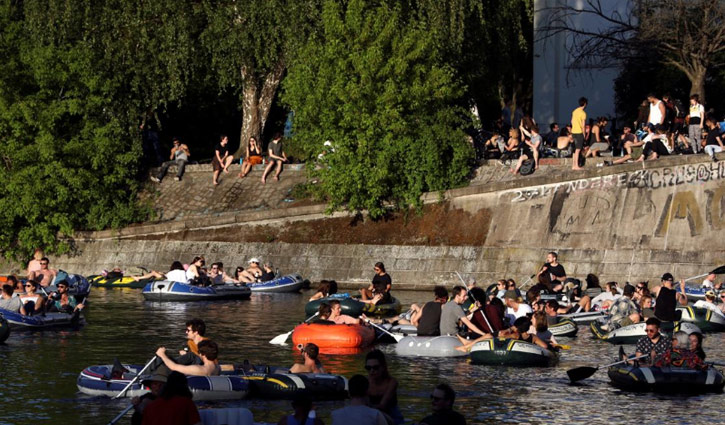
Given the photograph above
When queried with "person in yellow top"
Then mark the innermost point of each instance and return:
(578, 121)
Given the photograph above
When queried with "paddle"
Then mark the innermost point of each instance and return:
(483, 305)
(135, 378)
(120, 415)
(584, 372)
(397, 338)
(719, 270)
(281, 339)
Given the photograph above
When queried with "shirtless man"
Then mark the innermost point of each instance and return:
(34, 264)
(311, 364)
(208, 351)
(252, 272)
(45, 276)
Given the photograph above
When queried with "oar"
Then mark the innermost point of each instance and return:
(135, 378)
(281, 339)
(120, 415)
(397, 338)
(483, 304)
(584, 372)
(719, 270)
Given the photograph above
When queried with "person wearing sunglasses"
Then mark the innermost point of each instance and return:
(45, 276)
(32, 300)
(653, 343)
(383, 390)
(61, 301)
(442, 399)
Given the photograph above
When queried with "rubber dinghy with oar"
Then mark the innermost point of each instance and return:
(277, 383)
(98, 380)
(511, 352)
(705, 319)
(632, 333)
(695, 293)
(564, 328)
(672, 380)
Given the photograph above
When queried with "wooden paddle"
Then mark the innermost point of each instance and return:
(584, 372)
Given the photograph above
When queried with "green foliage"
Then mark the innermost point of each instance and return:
(74, 79)
(376, 86)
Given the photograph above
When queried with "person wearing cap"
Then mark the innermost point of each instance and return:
(709, 302)
(452, 313)
(514, 307)
(624, 310)
(155, 384)
(311, 363)
(666, 298)
(61, 301)
(253, 272)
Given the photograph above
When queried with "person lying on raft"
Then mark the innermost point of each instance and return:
(311, 364)
(325, 289)
(208, 351)
(680, 354)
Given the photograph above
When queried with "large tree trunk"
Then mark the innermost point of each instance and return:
(697, 80)
(256, 103)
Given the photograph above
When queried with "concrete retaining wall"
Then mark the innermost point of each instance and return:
(627, 223)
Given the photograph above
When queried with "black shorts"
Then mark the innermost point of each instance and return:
(578, 140)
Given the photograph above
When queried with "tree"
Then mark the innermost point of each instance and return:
(688, 34)
(249, 42)
(375, 85)
(74, 79)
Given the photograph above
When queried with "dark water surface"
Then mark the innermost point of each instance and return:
(38, 370)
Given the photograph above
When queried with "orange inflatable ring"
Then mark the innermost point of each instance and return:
(333, 336)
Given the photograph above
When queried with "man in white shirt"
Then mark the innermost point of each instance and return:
(708, 302)
(709, 281)
(357, 413)
(515, 309)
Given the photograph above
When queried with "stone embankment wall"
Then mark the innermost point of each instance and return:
(625, 223)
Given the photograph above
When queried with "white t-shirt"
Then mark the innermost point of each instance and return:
(357, 415)
(708, 305)
(177, 276)
(523, 310)
(707, 284)
(604, 296)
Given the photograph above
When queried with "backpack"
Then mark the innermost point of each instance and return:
(527, 167)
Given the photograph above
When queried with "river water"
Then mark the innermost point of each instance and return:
(38, 370)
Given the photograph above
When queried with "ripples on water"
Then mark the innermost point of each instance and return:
(38, 370)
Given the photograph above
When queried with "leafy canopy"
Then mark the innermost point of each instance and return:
(375, 85)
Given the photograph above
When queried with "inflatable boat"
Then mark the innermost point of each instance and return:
(632, 333)
(96, 381)
(429, 346)
(42, 321)
(78, 285)
(585, 317)
(165, 290)
(564, 328)
(705, 319)
(693, 293)
(4, 329)
(333, 336)
(277, 383)
(118, 282)
(511, 352)
(353, 307)
(289, 283)
(666, 379)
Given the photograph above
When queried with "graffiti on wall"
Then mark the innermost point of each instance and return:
(642, 179)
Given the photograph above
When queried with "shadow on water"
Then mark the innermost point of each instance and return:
(38, 370)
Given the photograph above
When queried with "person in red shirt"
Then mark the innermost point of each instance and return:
(174, 405)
